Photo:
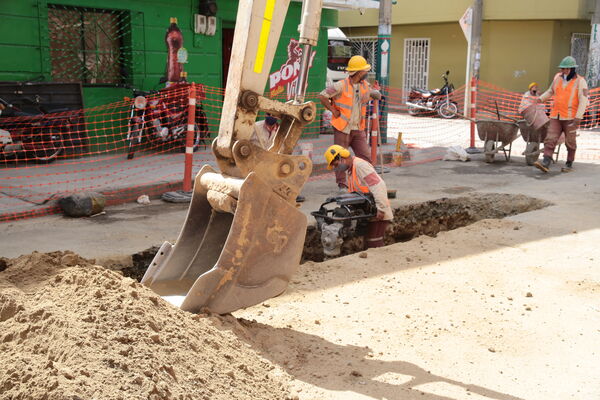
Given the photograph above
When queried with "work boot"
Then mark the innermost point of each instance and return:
(568, 167)
(544, 165)
(300, 199)
(342, 189)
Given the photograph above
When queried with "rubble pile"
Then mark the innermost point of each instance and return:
(70, 329)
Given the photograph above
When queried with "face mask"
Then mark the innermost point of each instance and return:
(341, 167)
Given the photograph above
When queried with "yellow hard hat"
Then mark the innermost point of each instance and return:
(333, 151)
(532, 84)
(358, 63)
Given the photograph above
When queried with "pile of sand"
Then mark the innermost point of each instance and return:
(73, 330)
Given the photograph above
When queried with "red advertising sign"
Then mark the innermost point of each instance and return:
(287, 76)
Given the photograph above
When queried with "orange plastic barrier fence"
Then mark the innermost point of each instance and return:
(138, 145)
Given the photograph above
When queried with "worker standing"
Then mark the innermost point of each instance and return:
(361, 177)
(570, 93)
(347, 100)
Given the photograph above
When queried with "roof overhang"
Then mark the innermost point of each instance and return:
(349, 4)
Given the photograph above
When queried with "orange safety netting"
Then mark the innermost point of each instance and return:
(137, 145)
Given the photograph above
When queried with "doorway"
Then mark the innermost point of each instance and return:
(227, 44)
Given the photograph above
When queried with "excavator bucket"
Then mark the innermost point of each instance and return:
(243, 235)
(221, 261)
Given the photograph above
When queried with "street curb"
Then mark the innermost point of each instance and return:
(115, 196)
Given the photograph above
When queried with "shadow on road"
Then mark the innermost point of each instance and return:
(319, 362)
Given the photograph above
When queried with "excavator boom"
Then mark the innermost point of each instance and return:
(243, 235)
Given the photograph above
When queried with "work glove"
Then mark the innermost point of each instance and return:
(335, 112)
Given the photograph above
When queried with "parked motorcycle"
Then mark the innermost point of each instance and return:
(422, 101)
(155, 121)
(40, 137)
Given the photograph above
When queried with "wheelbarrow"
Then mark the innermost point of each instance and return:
(534, 138)
(497, 137)
(534, 129)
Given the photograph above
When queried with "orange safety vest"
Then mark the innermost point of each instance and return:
(566, 99)
(353, 182)
(344, 104)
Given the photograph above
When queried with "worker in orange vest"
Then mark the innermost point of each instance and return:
(361, 177)
(347, 100)
(570, 93)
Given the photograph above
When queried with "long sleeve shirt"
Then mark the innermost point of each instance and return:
(261, 135)
(368, 177)
(582, 94)
(527, 100)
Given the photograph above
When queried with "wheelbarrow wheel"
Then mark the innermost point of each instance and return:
(488, 148)
(532, 147)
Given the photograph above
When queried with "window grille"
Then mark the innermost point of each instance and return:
(416, 64)
(89, 45)
(580, 45)
(366, 46)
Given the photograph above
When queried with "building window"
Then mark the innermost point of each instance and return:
(580, 45)
(366, 46)
(416, 64)
(89, 45)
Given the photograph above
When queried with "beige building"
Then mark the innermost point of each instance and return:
(522, 40)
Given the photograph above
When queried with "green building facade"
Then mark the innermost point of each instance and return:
(122, 43)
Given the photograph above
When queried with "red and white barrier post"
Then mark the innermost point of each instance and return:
(473, 108)
(374, 130)
(189, 140)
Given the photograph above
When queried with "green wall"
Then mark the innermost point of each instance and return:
(25, 51)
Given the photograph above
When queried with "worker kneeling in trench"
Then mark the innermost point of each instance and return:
(361, 177)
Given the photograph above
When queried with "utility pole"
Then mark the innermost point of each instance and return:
(474, 64)
(593, 66)
(476, 38)
(382, 68)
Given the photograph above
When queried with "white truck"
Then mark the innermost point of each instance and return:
(339, 51)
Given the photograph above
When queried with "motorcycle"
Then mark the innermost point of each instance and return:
(153, 120)
(40, 136)
(422, 101)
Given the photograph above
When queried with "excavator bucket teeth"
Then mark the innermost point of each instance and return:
(223, 262)
(175, 268)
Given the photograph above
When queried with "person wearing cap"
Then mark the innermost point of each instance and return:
(264, 132)
(529, 97)
(361, 177)
(570, 92)
(347, 100)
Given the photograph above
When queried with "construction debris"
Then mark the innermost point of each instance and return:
(70, 329)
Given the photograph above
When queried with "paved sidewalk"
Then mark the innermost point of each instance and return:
(35, 190)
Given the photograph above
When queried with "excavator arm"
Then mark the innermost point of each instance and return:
(243, 235)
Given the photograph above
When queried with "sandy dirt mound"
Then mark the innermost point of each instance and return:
(73, 330)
